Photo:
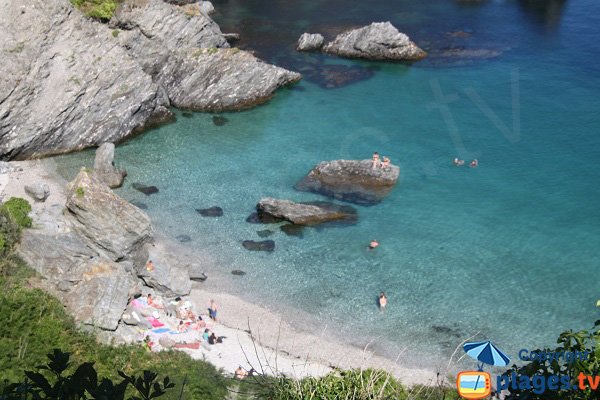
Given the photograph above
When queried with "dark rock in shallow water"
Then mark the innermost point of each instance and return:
(262, 218)
(147, 190)
(238, 272)
(293, 230)
(354, 181)
(333, 76)
(187, 115)
(219, 120)
(196, 274)
(264, 245)
(265, 233)
(306, 213)
(183, 238)
(445, 330)
(210, 212)
(140, 205)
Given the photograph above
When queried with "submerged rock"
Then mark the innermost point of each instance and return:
(139, 204)
(210, 212)
(265, 233)
(111, 223)
(355, 181)
(378, 41)
(187, 115)
(104, 166)
(219, 120)
(264, 245)
(183, 238)
(147, 190)
(196, 273)
(262, 218)
(38, 191)
(308, 213)
(293, 230)
(238, 272)
(310, 41)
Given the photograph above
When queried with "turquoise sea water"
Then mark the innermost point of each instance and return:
(509, 249)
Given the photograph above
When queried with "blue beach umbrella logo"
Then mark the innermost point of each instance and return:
(486, 353)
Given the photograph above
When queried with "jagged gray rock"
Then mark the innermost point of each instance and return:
(38, 191)
(168, 276)
(65, 85)
(101, 297)
(118, 228)
(206, 7)
(214, 79)
(104, 166)
(355, 181)
(378, 41)
(308, 213)
(310, 41)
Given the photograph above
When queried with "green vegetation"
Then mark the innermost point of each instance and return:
(102, 10)
(17, 210)
(212, 50)
(79, 192)
(568, 341)
(115, 32)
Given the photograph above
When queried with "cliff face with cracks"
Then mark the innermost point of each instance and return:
(70, 82)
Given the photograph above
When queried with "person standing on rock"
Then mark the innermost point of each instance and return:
(375, 160)
(212, 310)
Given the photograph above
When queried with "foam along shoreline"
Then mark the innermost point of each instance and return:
(275, 345)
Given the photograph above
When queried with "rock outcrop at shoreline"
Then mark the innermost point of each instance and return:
(92, 253)
(308, 213)
(70, 82)
(104, 166)
(120, 229)
(378, 41)
(310, 42)
(355, 181)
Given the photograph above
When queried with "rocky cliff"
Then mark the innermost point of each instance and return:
(70, 82)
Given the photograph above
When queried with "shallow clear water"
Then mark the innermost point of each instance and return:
(508, 249)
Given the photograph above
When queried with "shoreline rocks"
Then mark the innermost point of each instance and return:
(38, 191)
(310, 42)
(71, 82)
(378, 41)
(354, 181)
(104, 166)
(308, 213)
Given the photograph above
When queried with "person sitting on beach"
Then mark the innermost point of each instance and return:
(149, 266)
(382, 301)
(386, 163)
(458, 163)
(212, 310)
(213, 339)
(152, 302)
(374, 244)
(206, 334)
(376, 161)
(190, 315)
(200, 323)
(474, 163)
(241, 373)
(181, 328)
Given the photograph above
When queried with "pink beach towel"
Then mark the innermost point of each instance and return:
(193, 346)
(154, 322)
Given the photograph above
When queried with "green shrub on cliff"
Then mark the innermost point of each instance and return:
(17, 210)
(102, 10)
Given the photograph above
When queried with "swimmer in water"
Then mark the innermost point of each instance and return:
(374, 244)
(458, 162)
(382, 301)
(474, 163)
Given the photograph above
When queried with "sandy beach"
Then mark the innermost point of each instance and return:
(256, 337)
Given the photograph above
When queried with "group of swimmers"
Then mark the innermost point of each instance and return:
(377, 163)
(459, 163)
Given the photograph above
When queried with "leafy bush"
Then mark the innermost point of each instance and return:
(102, 10)
(17, 210)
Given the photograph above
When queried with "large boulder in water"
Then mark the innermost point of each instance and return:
(104, 166)
(310, 41)
(378, 41)
(354, 181)
(113, 225)
(309, 213)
